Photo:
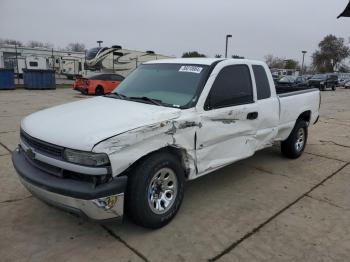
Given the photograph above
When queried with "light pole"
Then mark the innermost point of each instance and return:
(99, 43)
(227, 37)
(302, 64)
(113, 63)
(17, 63)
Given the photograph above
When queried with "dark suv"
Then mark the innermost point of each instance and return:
(324, 81)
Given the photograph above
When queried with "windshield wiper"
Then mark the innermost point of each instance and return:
(147, 99)
(116, 95)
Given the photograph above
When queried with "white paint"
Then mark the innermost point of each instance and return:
(191, 69)
(208, 140)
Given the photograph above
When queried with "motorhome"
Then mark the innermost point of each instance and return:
(118, 60)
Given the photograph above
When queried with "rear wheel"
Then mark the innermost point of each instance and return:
(294, 145)
(334, 88)
(155, 190)
(99, 91)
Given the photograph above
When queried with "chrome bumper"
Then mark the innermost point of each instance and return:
(96, 209)
(101, 202)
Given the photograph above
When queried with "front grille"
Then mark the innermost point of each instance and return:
(41, 146)
(52, 170)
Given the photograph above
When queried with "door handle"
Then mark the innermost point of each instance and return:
(252, 115)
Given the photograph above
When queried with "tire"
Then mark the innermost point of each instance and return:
(334, 88)
(99, 91)
(294, 145)
(147, 203)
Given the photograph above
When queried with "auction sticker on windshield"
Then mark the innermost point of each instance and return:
(191, 69)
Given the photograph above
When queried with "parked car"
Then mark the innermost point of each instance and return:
(78, 83)
(347, 84)
(324, 81)
(275, 78)
(343, 81)
(292, 81)
(169, 121)
(99, 84)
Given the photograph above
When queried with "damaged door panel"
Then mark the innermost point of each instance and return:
(226, 136)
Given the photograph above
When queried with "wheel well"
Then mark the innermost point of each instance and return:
(306, 116)
(99, 86)
(180, 153)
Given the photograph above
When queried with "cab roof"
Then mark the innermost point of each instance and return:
(199, 61)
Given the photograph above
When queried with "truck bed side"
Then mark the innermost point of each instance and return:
(303, 103)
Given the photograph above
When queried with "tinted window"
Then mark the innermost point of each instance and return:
(117, 77)
(99, 77)
(317, 77)
(262, 82)
(232, 86)
(33, 64)
(92, 53)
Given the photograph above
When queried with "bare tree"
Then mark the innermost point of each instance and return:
(237, 57)
(76, 47)
(274, 62)
(10, 42)
(193, 54)
(34, 43)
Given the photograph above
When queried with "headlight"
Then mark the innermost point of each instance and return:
(322, 83)
(86, 158)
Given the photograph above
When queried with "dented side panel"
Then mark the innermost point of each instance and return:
(125, 149)
(226, 136)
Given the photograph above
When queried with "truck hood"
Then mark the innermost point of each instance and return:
(81, 125)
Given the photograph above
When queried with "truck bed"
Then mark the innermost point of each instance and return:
(294, 102)
(286, 91)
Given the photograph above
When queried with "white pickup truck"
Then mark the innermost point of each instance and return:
(168, 122)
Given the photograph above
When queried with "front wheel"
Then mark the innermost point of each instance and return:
(99, 91)
(295, 144)
(333, 88)
(155, 190)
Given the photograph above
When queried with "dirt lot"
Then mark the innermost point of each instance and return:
(266, 208)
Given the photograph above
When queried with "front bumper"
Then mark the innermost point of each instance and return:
(81, 89)
(102, 202)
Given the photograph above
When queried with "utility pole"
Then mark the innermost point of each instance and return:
(17, 64)
(113, 64)
(302, 65)
(227, 37)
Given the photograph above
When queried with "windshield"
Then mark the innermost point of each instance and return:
(319, 77)
(92, 53)
(287, 79)
(176, 85)
(96, 77)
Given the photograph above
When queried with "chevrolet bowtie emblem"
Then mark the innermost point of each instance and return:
(30, 153)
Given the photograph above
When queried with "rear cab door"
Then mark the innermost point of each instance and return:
(229, 116)
(268, 106)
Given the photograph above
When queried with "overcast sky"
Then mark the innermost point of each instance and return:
(170, 27)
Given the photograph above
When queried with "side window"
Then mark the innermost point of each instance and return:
(262, 82)
(117, 77)
(105, 77)
(33, 64)
(120, 78)
(232, 86)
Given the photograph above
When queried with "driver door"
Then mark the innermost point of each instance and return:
(229, 120)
